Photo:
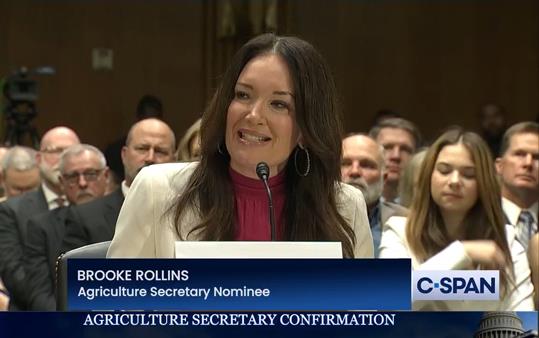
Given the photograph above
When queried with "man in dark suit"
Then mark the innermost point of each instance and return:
(363, 167)
(15, 213)
(83, 175)
(92, 222)
(148, 142)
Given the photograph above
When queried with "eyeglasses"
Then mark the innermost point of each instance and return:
(53, 150)
(89, 176)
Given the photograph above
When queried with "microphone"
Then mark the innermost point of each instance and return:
(263, 172)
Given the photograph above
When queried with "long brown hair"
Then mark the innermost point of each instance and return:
(425, 230)
(310, 210)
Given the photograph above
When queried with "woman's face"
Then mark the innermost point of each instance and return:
(261, 123)
(453, 181)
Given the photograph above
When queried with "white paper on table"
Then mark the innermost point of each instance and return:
(257, 249)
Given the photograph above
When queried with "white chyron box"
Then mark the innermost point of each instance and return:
(456, 285)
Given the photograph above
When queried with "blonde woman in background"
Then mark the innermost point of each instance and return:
(456, 223)
(410, 177)
(189, 146)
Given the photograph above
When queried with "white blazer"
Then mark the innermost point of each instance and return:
(145, 230)
(453, 257)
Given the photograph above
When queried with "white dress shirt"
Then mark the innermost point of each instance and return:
(52, 198)
(512, 211)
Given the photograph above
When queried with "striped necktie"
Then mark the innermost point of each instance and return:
(526, 227)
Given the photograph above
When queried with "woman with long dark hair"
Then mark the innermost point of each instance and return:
(276, 103)
(456, 223)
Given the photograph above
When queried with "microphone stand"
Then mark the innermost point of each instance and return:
(262, 170)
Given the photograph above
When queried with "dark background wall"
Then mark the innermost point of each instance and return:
(433, 61)
(158, 48)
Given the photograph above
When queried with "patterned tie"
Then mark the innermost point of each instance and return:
(526, 227)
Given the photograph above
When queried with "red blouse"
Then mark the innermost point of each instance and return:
(251, 202)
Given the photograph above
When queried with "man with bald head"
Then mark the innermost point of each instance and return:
(149, 141)
(53, 143)
(148, 106)
(363, 166)
(15, 212)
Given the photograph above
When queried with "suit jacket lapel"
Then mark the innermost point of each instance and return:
(32, 204)
(112, 209)
(506, 219)
(389, 209)
(55, 230)
(385, 213)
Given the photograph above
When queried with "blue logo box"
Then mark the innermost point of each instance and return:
(239, 284)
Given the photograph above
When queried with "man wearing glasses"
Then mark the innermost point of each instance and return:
(150, 141)
(83, 176)
(15, 212)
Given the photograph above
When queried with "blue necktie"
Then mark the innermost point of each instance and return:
(526, 227)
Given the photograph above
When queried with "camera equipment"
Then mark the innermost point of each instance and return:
(20, 96)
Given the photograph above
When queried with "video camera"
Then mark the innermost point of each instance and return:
(20, 96)
(20, 88)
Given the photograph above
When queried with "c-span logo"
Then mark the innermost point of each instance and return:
(456, 285)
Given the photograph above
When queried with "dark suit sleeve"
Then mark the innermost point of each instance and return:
(39, 280)
(76, 235)
(11, 256)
